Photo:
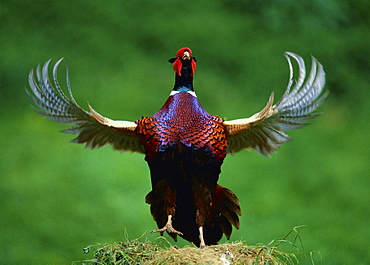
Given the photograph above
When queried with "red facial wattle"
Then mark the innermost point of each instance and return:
(181, 55)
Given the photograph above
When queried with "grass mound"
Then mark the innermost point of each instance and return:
(135, 252)
(161, 251)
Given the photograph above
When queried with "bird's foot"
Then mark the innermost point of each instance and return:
(168, 227)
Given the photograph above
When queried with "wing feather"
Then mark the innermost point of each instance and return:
(91, 127)
(264, 131)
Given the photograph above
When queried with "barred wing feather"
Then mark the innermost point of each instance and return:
(91, 127)
(264, 131)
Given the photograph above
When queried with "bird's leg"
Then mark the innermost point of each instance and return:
(203, 199)
(168, 227)
(201, 238)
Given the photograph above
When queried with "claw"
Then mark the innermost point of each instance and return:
(168, 227)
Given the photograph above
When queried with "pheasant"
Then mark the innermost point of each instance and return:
(185, 146)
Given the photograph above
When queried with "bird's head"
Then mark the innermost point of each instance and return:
(184, 63)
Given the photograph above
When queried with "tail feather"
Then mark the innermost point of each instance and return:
(229, 206)
(225, 226)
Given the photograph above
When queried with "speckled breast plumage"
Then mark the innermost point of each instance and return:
(182, 120)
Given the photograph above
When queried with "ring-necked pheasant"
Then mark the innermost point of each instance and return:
(185, 146)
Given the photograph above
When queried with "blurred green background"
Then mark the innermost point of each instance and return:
(57, 198)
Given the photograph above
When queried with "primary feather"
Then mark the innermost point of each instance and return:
(91, 127)
(264, 131)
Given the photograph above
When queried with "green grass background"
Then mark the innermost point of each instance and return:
(57, 198)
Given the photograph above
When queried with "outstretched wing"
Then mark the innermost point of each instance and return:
(264, 130)
(91, 127)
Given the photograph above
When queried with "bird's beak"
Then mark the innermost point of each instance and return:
(186, 56)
